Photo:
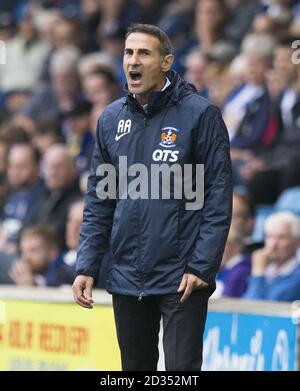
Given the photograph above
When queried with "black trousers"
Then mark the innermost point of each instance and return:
(138, 323)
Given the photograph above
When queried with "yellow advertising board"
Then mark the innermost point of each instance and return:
(51, 336)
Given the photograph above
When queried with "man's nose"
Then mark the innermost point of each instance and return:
(273, 244)
(134, 59)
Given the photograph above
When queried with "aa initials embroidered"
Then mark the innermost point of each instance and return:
(124, 128)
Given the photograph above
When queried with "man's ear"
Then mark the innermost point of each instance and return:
(167, 62)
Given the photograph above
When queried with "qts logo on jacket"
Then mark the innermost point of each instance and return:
(168, 138)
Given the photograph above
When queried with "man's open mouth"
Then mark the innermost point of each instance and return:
(135, 75)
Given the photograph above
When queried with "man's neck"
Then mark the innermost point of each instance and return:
(143, 98)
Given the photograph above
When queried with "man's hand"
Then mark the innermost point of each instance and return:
(21, 274)
(252, 167)
(261, 258)
(82, 291)
(190, 283)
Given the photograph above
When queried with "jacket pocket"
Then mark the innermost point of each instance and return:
(114, 229)
(123, 234)
(160, 235)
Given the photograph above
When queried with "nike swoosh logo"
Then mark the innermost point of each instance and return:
(118, 136)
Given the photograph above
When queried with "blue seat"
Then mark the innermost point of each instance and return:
(261, 214)
(289, 200)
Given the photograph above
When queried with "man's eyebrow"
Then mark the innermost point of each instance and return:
(143, 50)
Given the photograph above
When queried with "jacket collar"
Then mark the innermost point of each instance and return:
(158, 100)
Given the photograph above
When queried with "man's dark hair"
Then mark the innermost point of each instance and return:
(248, 204)
(106, 73)
(46, 233)
(13, 134)
(165, 43)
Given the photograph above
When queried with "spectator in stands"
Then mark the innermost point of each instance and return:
(176, 23)
(26, 123)
(64, 91)
(90, 17)
(38, 249)
(46, 22)
(272, 172)
(219, 84)
(9, 135)
(236, 262)
(242, 218)
(66, 33)
(275, 273)
(276, 26)
(153, 11)
(25, 189)
(283, 64)
(211, 17)
(101, 87)
(116, 16)
(111, 42)
(47, 133)
(61, 189)
(63, 269)
(241, 16)
(247, 110)
(92, 62)
(235, 267)
(59, 32)
(14, 101)
(196, 65)
(79, 138)
(25, 55)
(238, 70)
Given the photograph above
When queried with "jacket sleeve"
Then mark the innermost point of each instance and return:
(212, 150)
(97, 216)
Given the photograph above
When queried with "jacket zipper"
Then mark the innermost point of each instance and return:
(142, 275)
(141, 296)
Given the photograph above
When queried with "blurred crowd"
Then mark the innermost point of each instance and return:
(63, 66)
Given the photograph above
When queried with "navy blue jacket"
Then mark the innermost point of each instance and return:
(154, 241)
